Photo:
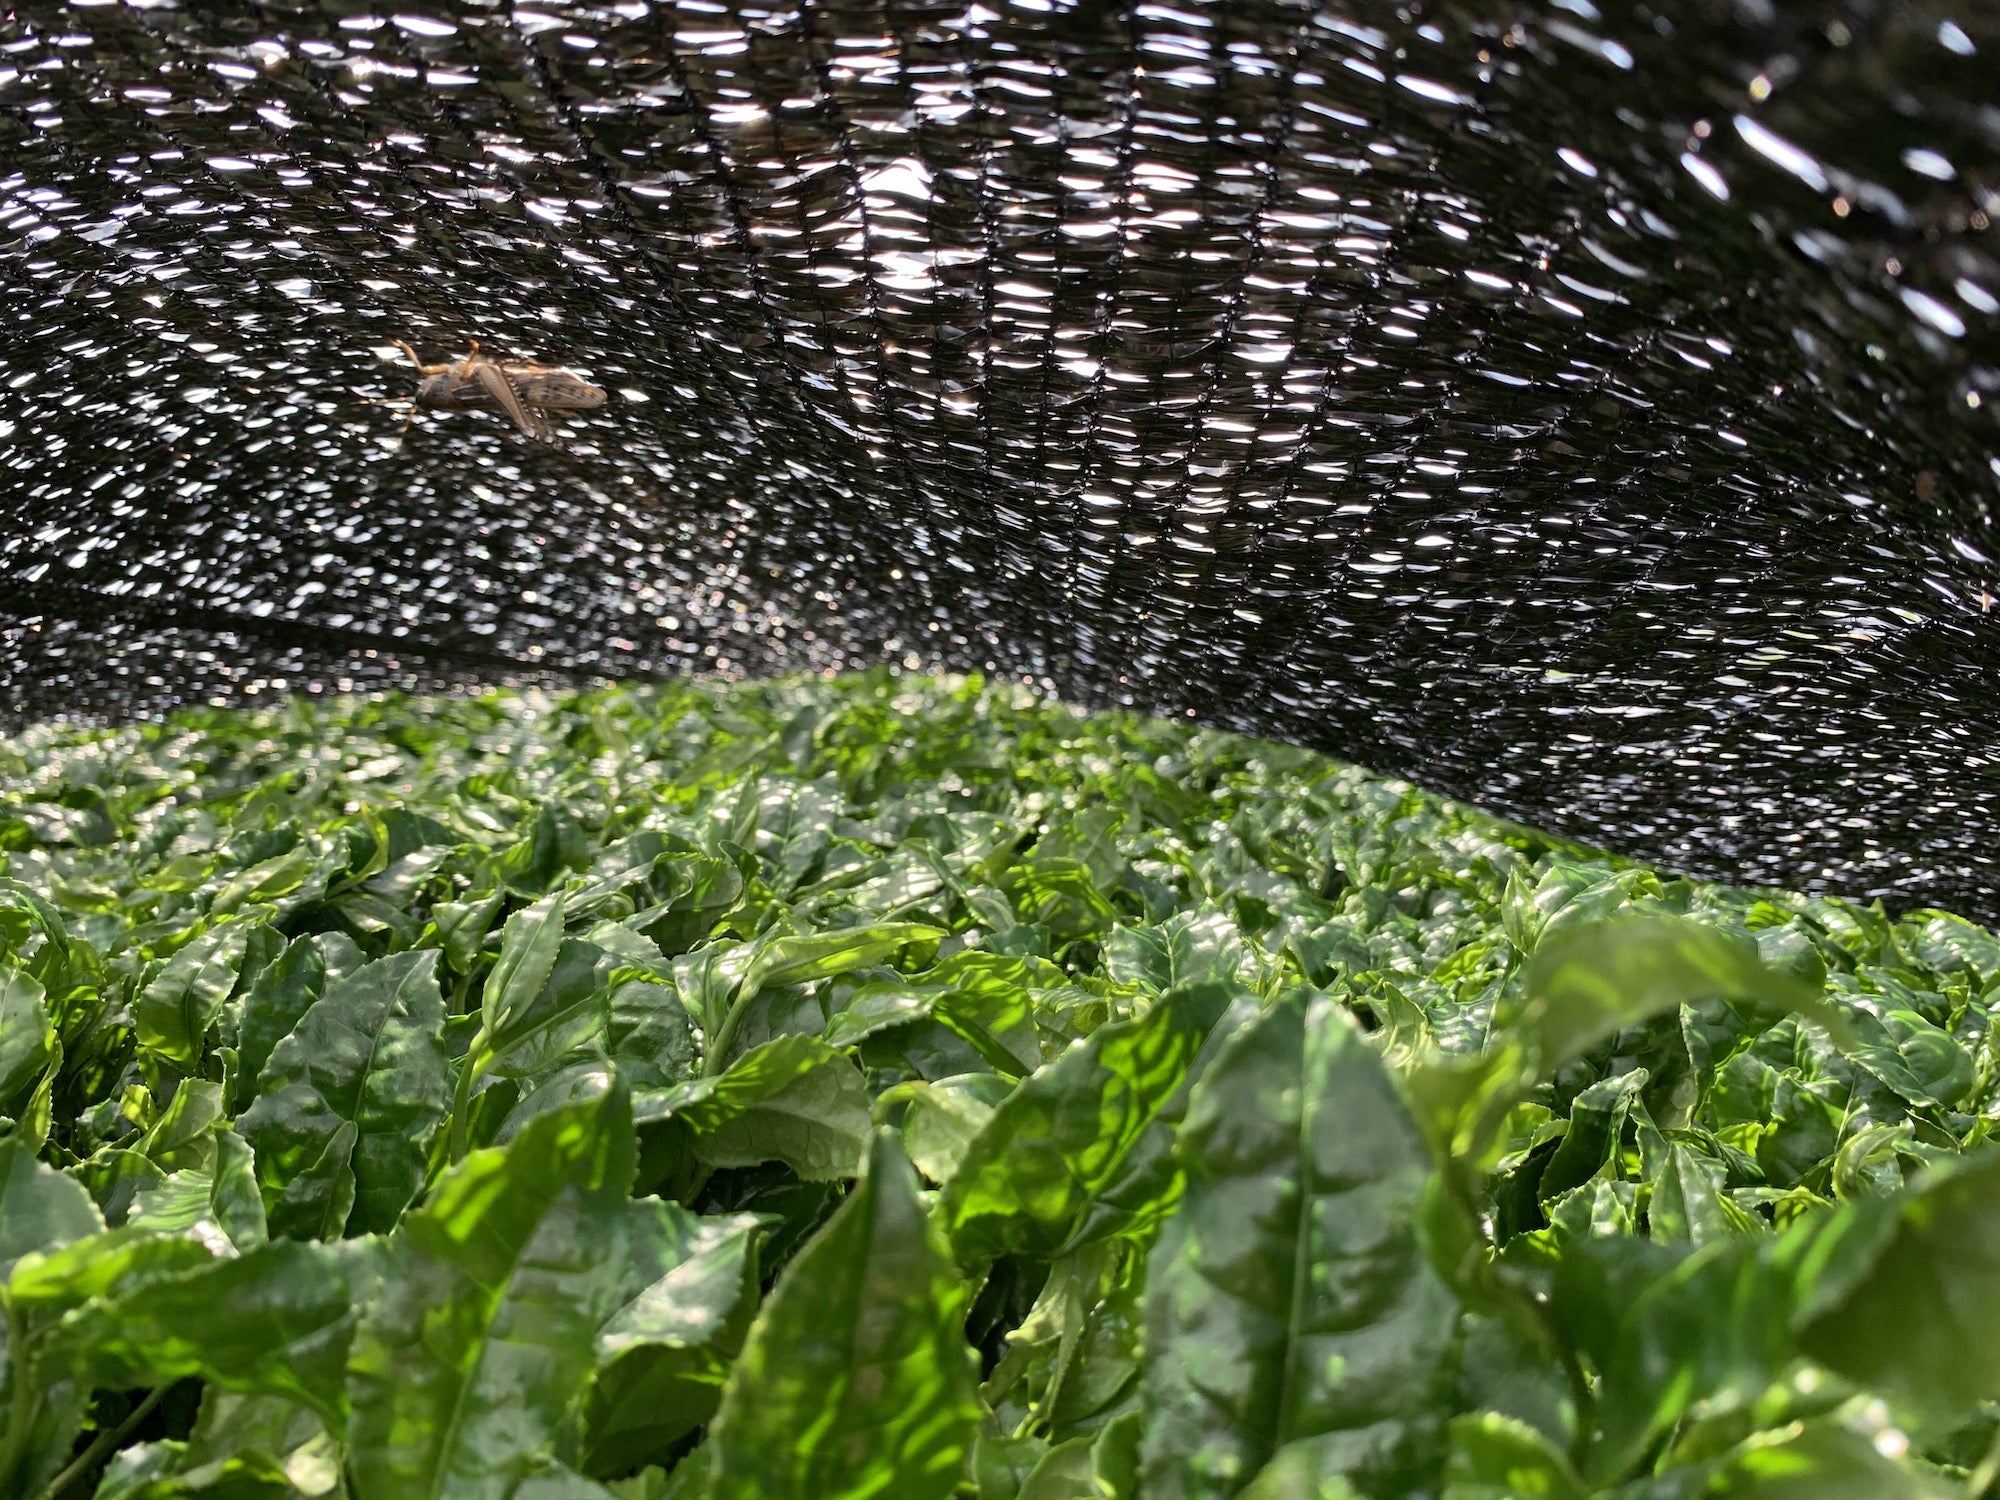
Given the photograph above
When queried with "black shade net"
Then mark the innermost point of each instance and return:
(1586, 412)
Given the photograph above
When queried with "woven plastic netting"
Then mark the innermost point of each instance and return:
(1584, 412)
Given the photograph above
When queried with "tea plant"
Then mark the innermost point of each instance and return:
(906, 1088)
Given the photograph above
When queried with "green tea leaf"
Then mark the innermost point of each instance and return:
(557, 846)
(1146, 1186)
(650, 1034)
(1819, 1461)
(793, 1099)
(277, 999)
(699, 891)
(1898, 1297)
(1668, 1330)
(1597, 1119)
(1919, 1061)
(804, 957)
(161, 1471)
(224, 1194)
(1060, 1138)
(184, 1135)
(1499, 1458)
(353, 1095)
(569, 1010)
(28, 1043)
(1289, 1301)
(462, 927)
(1060, 895)
(1188, 948)
(114, 1179)
(1589, 980)
(176, 1009)
(941, 1119)
(529, 944)
(1065, 1472)
(663, 1357)
(40, 1208)
(856, 1380)
(272, 1322)
(44, 1398)
(486, 1329)
(1301, 1471)
(61, 1279)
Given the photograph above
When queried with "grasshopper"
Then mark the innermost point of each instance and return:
(520, 388)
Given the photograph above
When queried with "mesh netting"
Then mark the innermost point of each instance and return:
(1576, 412)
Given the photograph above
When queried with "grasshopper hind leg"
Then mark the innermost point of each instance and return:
(500, 386)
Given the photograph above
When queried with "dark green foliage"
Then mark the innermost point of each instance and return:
(856, 1380)
(905, 1089)
(1289, 1303)
(488, 1318)
(346, 1104)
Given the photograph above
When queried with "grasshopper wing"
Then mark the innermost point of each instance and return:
(559, 390)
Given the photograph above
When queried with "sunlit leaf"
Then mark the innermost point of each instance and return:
(856, 1380)
(1289, 1301)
